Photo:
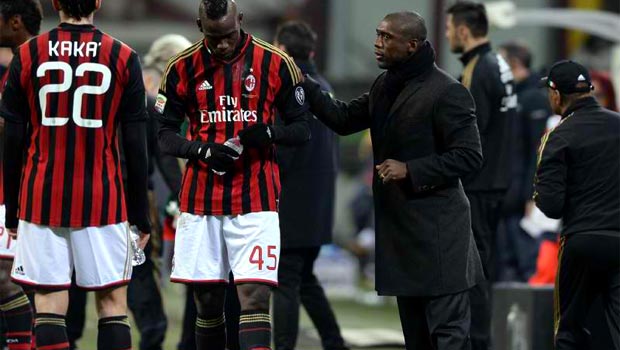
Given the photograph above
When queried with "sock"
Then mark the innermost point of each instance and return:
(255, 330)
(18, 317)
(210, 332)
(51, 332)
(114, 333)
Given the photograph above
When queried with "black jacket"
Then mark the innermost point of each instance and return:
(489, 79)
(308, 176)
(578, 177)
(527, 129)
(424, 242)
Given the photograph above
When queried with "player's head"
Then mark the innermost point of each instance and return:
(519, 58)
(77, 9)
(297, 39)
(19, 20)
(158, 56)
(220, 22)
(399, 36)
(466, 21)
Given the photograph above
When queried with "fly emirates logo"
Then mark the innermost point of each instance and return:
(229, 112)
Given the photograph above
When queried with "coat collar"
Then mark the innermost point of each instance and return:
(476, 51)
(410, 89)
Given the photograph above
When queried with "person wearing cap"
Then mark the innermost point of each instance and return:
(578, 181)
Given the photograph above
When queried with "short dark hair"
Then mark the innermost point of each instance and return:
(410, 24)
(473, 15)
(29, 10)
(298, 38)
(215, 9)
(78, 9)
(518, 51)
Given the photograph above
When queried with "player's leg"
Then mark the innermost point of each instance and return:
(15, 308)
(114, 330)
(253, 242)
(255, 321)
(14, 303)
(102, 258)
(200, 259)
(210, 322)
(43, 260)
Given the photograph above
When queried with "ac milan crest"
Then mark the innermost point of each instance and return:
(250, 83)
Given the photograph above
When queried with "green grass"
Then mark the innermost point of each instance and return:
(350, 314)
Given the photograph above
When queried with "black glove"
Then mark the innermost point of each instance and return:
(217, 156)
(257, 136)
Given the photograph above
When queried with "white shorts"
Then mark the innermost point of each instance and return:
(207, 248)
(7, 244)
(46, 256)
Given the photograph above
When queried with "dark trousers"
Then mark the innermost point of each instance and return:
(299, 286)
(485, 214)
(143, 299)
(437, 323)
(589, 267)
(517, 251)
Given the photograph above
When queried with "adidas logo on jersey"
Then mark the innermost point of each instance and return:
(205, 86)
(19, 270)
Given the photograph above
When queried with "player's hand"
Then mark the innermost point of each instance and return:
(143, 240)
(12, 232)
(218, 157)
(257, 136)
(392, 170)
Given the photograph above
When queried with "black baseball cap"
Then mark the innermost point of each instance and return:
(568, 77)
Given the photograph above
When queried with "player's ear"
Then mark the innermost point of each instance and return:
(16, 22)
(98, 4)
(56, 5)
(240, 17)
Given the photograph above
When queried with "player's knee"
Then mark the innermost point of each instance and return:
(112, 302)
(254, 296)
(7, 288)
(209, 299)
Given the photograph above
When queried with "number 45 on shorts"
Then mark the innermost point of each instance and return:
(270, 260)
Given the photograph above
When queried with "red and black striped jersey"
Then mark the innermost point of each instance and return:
(3, 80)
(72, 87)
(220, 98)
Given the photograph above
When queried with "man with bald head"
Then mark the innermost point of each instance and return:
(425, 139)
(230, 85)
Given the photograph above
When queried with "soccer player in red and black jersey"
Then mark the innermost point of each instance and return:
(230, 85)
(19, 21)
(68, 91)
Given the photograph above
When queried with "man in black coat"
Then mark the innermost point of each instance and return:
(490, 81)
(425, 139)
(578, 181)
(306, 210)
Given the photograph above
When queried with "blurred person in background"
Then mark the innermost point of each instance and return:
(424, 138)
(73, 214)
(578, 181)
(489, 79)
(604, 91)
(517, 254)
(19, 21)
(308, 175)
(230, 85)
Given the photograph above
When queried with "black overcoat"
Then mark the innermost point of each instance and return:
(424, 244)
